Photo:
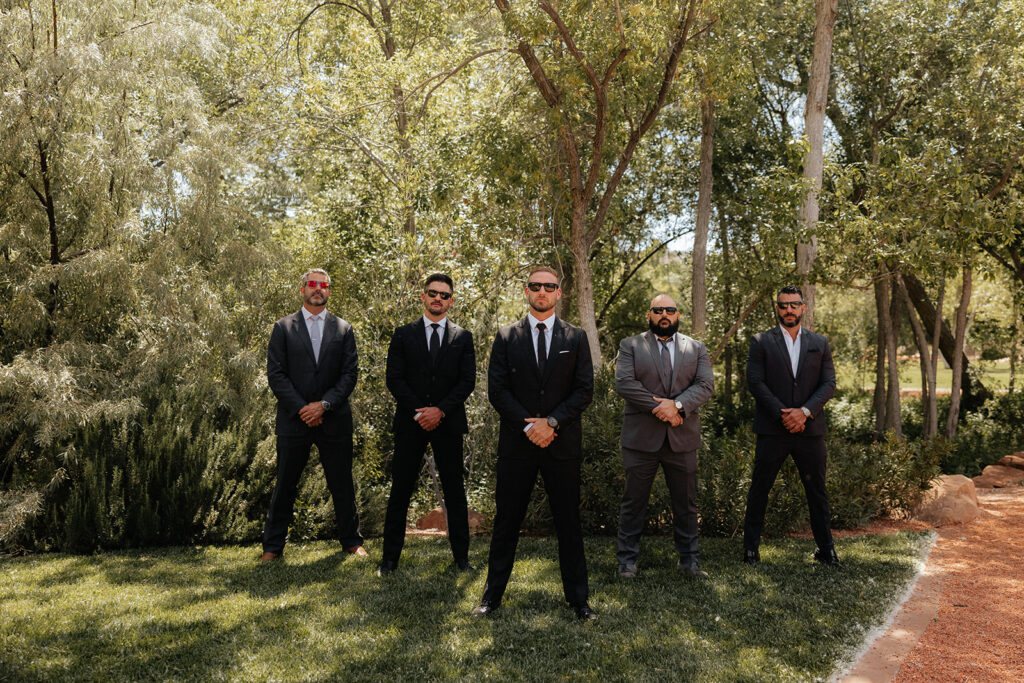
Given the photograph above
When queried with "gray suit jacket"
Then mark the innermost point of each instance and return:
(638, 378)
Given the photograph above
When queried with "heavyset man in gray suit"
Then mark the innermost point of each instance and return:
(664, 378)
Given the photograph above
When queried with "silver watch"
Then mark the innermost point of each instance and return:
(552, 422)
(679, 406)
(807, 411)
(326, 405)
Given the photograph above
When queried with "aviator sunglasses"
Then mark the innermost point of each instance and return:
(313, 284)
(792, 305)
(444, 295)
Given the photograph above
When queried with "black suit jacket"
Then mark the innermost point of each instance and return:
(771, 381)
(296, 378)
(416, 381)
(517, 391)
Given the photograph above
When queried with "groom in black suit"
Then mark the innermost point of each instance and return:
(431, 371)
(311, 368)
(791, 376)
(540, 380)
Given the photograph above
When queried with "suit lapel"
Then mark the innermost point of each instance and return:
(300, 331)
(682, 347)
(525, 342)
(446, 340)
(782, 349)
(804, 339)
(330, 330)
(419, 341)
(557, 343)
(654, 348)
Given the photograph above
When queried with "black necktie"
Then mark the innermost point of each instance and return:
(435, 341)
(542, 347)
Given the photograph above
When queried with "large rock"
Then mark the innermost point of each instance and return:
(950, 500)
(435, 520)
(1013, 460)
(999, 476)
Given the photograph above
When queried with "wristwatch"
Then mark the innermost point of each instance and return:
(807, 412)
(552, 422)
(679, 407)
(326, 405)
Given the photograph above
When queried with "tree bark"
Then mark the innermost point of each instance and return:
(814, 161)
(893, 408)
(881, 312)
(958, 366)
(927, 378)
(698, 288)
(933, 388)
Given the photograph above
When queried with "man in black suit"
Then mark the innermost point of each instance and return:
(431, 372)
(311, 368)
(540, 380)
(791, 376)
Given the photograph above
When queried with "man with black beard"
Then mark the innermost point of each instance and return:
(664, 378)
(791, 376)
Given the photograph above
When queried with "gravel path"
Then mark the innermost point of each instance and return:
(965, 618)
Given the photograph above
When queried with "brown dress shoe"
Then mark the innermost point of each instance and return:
(358, 551)
(269, 557)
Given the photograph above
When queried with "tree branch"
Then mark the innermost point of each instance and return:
(736, 325)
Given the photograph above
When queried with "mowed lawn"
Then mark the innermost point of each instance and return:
(212, 613)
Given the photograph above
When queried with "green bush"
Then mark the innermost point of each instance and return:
(987, 435)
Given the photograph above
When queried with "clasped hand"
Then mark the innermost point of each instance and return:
(666, 411)
(794, 420)
(312, 413)
(541, 433)
(430, 417)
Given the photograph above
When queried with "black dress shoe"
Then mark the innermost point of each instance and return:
(386, 567)
(584, 613)
(464, 566)
(484, 609)
(751, 557)
(691, 569)
(827, 557)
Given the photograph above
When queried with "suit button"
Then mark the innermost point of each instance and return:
(541, 392)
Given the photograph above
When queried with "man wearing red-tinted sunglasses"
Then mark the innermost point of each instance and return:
(311, 368)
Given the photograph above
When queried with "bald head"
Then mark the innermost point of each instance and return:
(663, 316)
(663, 300)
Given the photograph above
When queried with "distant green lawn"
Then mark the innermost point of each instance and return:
(995, 376)
(211, 613)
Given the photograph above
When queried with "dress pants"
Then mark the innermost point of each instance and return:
(336, 458)
(515, 482)
(680, 469)
(769, 455)
(405, 471)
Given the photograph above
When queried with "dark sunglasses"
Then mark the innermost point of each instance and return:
(444, 295)
(792, 305)
(313, 284)
(656, 310)
(548, 286)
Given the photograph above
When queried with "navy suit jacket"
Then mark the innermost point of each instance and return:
(517, 390)
(416, 381)
(774, 387)
(296, 378)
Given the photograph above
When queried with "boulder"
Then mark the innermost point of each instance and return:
(1013, 460)
(435, 520)
(999, 476)
(950, 500)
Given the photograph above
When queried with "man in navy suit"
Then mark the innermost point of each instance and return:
(540, 380)
(311, 368)
(791, 376)
(431, 371)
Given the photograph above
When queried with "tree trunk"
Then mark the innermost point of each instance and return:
(927, 379)
(814, 161)
(933, 387)
(893, 412)
(700, 240)
(727, 305)
(958, 366)
(881, 312)
(584, 290)
(974, 392)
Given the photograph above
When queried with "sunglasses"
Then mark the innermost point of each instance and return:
(792, 305)
(313, 284)
(548, 286)
(656, 310)
(434, 293)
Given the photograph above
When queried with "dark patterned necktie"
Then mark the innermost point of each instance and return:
(542, 346)
(666, 364)
(435, 342)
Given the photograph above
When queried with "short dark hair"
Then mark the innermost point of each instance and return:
(439, 277)
(790, 289)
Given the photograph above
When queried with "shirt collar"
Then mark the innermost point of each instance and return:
(307, 315)
(786, 334)
(443, 322)
(549, 322)
(670, 340)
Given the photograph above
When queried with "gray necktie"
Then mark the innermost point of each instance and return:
(314, 336)
(666, 364)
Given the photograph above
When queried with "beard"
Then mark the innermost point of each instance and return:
(790, 322)
(663, 330)
(317, 298)
(542, 307)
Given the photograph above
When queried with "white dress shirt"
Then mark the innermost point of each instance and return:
(550, 323)
(671, 348)
(793, 346)
(427, 322)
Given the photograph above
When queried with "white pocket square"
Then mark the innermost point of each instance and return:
(561, 352)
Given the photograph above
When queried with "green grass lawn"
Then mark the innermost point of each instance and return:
(995, 375)
(212, 613)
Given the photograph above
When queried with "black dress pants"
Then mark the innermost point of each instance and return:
(405, 471)
(336, 459)
(515, 482)
(769, 455)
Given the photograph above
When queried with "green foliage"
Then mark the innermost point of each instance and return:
(987, 435)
